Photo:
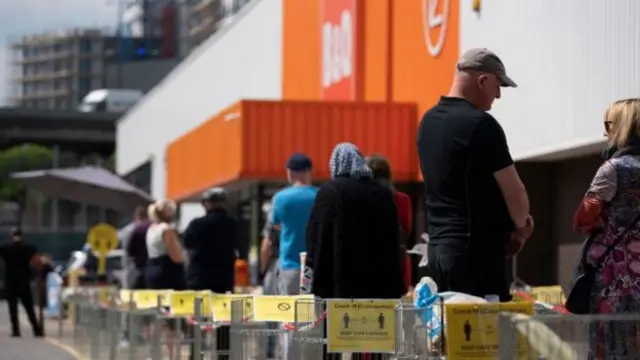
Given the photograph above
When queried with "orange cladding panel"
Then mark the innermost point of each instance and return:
(376, 50)
(274, 130)
(208, 155)
(426, 46)
(301, 49)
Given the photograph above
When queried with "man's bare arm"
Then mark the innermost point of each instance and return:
(265, 254)
(515, 194)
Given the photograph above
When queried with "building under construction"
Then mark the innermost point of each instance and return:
(205, 17)
(55, 70)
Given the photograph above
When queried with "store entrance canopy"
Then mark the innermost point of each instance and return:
(251, 141)
(91, 185)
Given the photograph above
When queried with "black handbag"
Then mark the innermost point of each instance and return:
(579, 299)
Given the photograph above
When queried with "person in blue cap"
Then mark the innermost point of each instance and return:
(290, 213)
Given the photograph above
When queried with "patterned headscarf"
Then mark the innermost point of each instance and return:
(346, 160)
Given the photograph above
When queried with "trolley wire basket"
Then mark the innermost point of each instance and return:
(570, 337)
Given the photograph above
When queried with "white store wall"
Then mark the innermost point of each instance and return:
(241, 62)
(571, 59)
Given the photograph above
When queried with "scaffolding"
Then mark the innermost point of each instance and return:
(52, 70)
(206, 17)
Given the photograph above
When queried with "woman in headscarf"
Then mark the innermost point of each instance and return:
(352, 234)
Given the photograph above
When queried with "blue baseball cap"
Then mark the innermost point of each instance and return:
(299, 162)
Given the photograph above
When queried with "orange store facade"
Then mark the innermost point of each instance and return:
(292, 75)
(351, 69)
(337, 70)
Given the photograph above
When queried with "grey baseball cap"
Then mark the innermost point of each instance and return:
(482, 59)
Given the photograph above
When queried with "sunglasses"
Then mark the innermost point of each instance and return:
(607, 126)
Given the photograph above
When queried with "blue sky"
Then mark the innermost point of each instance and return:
(20, 17)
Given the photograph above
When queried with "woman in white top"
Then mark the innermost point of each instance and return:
(165, 268)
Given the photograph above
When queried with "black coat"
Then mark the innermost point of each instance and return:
(212, 243)
(352, 241)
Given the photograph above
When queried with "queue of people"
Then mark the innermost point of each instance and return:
(354, 228)
(202, 260)
(477, 207)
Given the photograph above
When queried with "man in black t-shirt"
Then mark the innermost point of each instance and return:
(18, 258)
(212, 243)
(477, 207)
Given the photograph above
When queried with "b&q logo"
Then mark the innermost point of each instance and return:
(338, 49)
(435, 14)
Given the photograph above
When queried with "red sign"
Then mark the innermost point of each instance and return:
(339, 34)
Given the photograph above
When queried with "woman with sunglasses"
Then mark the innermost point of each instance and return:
(608, 214)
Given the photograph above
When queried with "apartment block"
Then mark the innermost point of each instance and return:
(55, 70)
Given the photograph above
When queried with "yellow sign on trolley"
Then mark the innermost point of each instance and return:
(361, 326)
(284, 309)
(472, 330)
(102, 238)
(148, 299)
(184, 302)
(221, 306)
(549, 294)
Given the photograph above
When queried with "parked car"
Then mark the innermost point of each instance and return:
(89, 262)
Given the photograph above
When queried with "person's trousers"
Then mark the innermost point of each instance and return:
(477, 272)
(270, 287)
(25, 297)
(222, 333)
(288, 284)
(223, 343)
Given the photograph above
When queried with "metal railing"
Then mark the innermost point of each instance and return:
(112, 325)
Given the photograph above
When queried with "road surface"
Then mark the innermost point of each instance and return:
(27, 347)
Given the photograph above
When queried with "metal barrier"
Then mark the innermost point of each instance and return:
(111, 329)
(334, 329)
(196, 325)
(302, 338)
(416, 340)
(614, 337)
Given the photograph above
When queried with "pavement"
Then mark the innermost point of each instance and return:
(27, 347)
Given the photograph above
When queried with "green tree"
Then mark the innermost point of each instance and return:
(21, 158)
(111, 162)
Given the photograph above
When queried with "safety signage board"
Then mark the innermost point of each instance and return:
(221, 306)
(102, 238)
(472, 330)
(361, 326)
(553, 295)
(147, 299)
(285, 309)
(182, 303)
